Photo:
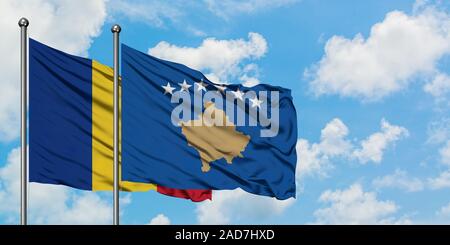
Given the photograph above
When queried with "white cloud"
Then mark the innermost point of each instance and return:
(310, 161)
(396, 50)
(445, 153)
(439, 86)
(332, 138)
(313, 159)
(232, 206)
(66, 25)
(49, 204)
(249, 81)
(354, 206)
(160, 219)
(228, 8)
(223, 67)
(68, 208)
(373, 147)
(441, 181)
(399, 179)
(444, 211)
(250, 75)
(9, 183)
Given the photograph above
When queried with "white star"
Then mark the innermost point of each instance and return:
(168, 89)
(238, 94)
(184, 86)
(220, 88)
(256, 102)
(201, 86)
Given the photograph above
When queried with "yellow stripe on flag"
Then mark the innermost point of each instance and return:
(102, 133)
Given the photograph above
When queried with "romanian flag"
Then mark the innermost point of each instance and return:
(71, 124)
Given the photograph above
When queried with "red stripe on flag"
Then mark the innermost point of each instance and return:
(193, 195)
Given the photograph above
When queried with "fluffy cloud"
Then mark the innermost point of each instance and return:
(228, 8)
(310, 161)
(439, 86)
(232, 206)
(49, 204)
(59, 205)
(10, 183)
(399, 179)
(332, 138)
(315, 158)
(226, 66)
(373, 147)
(397, 49)
(66, 25)
(160, 219)
(441, 181)
(354, 206)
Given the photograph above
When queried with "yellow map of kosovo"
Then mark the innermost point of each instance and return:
(214, 140)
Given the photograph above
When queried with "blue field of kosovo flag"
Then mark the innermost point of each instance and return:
(181, 130)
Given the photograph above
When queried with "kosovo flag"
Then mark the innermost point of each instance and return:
(71, 124)
(184, 131)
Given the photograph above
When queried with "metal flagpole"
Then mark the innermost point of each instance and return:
(23, 23)
(116, 30)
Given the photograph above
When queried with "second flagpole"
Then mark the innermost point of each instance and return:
(116, 30)
(23, 23)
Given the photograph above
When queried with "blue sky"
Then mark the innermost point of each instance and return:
(370, 82)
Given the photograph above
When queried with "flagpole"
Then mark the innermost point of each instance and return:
(116, 30)
(23, 23)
